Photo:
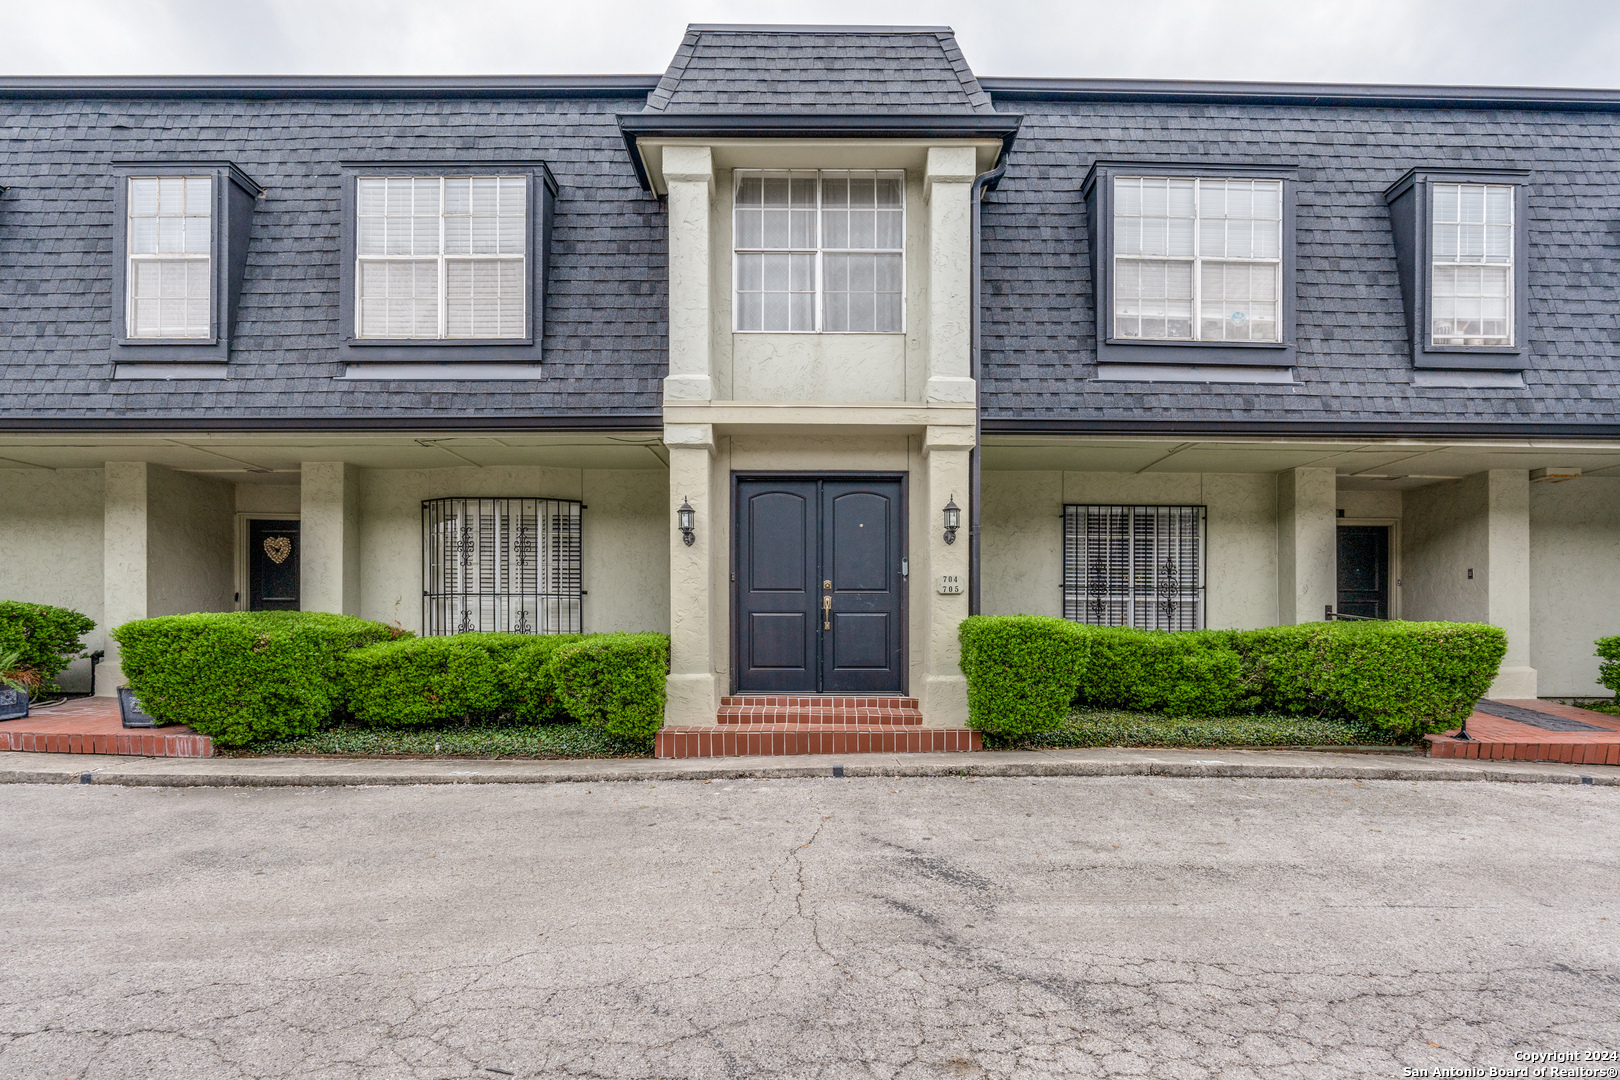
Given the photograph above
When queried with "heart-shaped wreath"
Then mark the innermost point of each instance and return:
(278, 548)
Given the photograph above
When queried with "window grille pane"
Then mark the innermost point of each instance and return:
(485, 298)
(1138, 566)
(1153, 299)
(505, 564)
(1238, 301)
(170, 239)
(1471, 279)
(775, 291)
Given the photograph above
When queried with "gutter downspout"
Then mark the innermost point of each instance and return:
(981, 183)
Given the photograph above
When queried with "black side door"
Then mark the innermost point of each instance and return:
(1364, 571)
(273, 551)
(819, 599)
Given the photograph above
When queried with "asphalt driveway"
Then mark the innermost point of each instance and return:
(807, 928)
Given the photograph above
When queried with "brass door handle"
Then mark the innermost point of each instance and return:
(826, 613)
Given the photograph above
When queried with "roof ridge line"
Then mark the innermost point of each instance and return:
(815, 28)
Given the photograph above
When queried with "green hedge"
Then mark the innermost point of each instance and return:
(242, 676)
(1024, 672)
(44, 638)
(613, 682)
(1608, 650)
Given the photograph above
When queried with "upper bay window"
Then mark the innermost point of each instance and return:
(182, 254)
(1460, 239)
(820, 251)
(1193, 265)
(445, 261)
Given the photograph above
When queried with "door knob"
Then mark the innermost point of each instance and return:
(826, 613)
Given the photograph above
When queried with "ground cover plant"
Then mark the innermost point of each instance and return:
(1115, 727)
(42, 641)
(1407, 679)
(497, 740)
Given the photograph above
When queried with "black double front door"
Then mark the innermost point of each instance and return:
(819, 593)
(1364, 571)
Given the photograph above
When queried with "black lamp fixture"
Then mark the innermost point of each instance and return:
(684, 519)
(953, 519)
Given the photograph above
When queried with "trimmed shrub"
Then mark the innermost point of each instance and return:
(614, 682)
(1022, 671)
(429, 680)
(45, 640)
(1407, 678)
(245, 675)
(1410, 678)
(529, 679)
(1185, 673)
(1608, 650)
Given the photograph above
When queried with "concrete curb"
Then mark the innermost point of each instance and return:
(20, 768)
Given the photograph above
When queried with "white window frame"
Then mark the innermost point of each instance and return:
(132, 258)
(443, 258)
(1510, 339)
(1196, 259)
(819, 251)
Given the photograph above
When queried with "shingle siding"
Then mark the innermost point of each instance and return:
(604, 345)
(743, 70)
(1354, 360)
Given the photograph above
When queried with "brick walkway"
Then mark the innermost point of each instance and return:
(1497, 739)
(94, 726)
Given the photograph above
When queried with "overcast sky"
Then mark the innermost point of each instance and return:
(1502, 42)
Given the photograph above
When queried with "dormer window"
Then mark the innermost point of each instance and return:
(170, 237)
(820, 251)
(1472, 276)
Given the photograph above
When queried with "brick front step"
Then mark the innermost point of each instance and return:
(1495, 738)
(751, 740)
(818, 701)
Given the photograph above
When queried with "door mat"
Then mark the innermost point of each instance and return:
(1544, 721)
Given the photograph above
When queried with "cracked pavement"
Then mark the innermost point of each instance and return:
(944, 927)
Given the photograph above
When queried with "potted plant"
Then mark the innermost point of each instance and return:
(16, 683)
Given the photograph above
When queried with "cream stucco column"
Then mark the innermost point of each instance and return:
(1507, 577)
(689, 172)
(946, 186)
(329, 534)
(1307, 544)
(124, 550)
(944, 690)
(693, 696)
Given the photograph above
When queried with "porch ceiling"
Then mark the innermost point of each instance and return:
(1403, 463)
(274, 459)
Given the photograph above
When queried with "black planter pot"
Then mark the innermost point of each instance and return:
(130, 706)
(13, 703)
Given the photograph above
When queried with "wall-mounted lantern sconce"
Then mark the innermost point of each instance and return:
(685, 517)
(953, 519)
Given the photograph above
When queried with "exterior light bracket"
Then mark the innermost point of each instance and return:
(953, 519)
(685, 520)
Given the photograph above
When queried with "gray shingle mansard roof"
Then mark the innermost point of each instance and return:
(606, 310)
(865, 69)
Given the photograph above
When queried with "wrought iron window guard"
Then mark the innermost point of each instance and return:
(502, 564)
(1139, 566)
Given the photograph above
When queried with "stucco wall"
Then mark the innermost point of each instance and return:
(1574, 581)
(191, 543)
(1022, 526)
(626, 558)
(51, 547)
(1444, 534)
(267, 500)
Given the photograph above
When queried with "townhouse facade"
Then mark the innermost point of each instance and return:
(810, 347)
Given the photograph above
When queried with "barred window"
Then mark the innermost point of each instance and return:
(1472, 279)
(510, 564)
(170, 241)
(820, 251)
(1140, 566)
(441, 257)
(1197, 259)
